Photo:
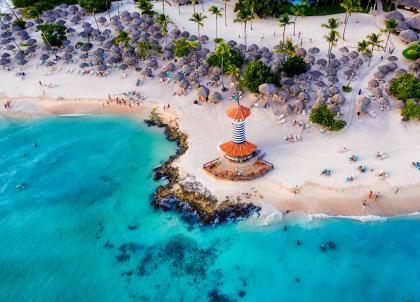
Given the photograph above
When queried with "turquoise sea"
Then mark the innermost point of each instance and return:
(76, 225)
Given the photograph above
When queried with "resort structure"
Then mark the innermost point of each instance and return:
(238, 149)
(241, 160)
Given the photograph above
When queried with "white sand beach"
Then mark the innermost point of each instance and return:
(297, 165)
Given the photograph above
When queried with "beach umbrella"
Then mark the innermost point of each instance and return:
(83, 56)
(313, 50)
(394, 15)
(31, 42)
(338, 99)
(203, 38)
(377, 92)
(83, 65)
(335, 63)
(309, 59)
(353, 54)
(75, 19)
(384, 102)
(20, 55)
(344, 59)
(178, 77)
(333, 90)
(69, 49)
(102, 67)
(162, 75)
(203, 92)
(414, 22)
(187, 69)
(392, 66)
(379, 75)
(301, 52)
(193, 77)
(152, 64)
(22, 62)
(184, 84)
(267, 89)
(169, 67)
(102, 20)
(392, 58)
(286, 108)
(202, 70)
(400, 71)
(5, 55)
(334, 108)
(333, 79)
(4, 61)
(303, 96)
(50, 64)
(384, 69)
(147, 72)
(330, 70)
(321, 62)
(344, 50)
(215, 97)
(67, 57)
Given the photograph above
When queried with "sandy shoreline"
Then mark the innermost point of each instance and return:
(271, 196)
(207, 126)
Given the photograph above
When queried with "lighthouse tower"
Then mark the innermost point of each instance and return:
(238, 149)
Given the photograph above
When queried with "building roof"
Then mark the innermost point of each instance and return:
(409, 3)
(238, 112)
(238, 150)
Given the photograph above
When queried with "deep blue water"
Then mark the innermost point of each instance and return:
(82, 229)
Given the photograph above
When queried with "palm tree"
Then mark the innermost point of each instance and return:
(351, 6)
(284, 20)
(243, 16)
(332, 38)
(363, 47)
(251, 7)
(222, 49)
(164, 21)
(12, 10)
(94, 17)
(298, 10)
(390, 26)
(233, 72)
(198, 18)
(288, 48)
(217, 12)
(202, 5)
(331, 24)
(226, 1)
(374, 40)
(109, 9)
(163, 5)
(194, 2)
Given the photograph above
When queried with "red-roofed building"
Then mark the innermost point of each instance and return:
(238, 148)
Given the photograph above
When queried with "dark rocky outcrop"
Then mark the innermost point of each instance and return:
(195, 206)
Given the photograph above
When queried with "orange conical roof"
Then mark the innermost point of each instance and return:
(238, 112)
(238, 150)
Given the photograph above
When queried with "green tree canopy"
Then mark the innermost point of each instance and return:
(405, 86)
(52, 34)
(257, 73)
(324, 117)
(95, 5)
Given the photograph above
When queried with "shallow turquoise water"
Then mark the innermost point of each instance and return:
(82, 229)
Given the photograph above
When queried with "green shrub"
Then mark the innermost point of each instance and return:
(145, 7)
(230, 58)
(346, 88)
(411, 110)
(30, 12)
(293, 65)
(96, 6)
(182, 48)
(257, 73)
(325, 117)
(23, 3)
(20, 23)
(412, 52)
(122, 37)
(52, 34)
(405, 86)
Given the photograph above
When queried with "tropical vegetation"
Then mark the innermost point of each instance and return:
(52, 34)
(405, 86)
(325, 117)
(412, 52)
(257, 73)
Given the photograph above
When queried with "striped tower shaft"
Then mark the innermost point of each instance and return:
(238, 136)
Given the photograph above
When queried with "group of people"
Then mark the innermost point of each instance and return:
(7, 104)
(120, 101)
